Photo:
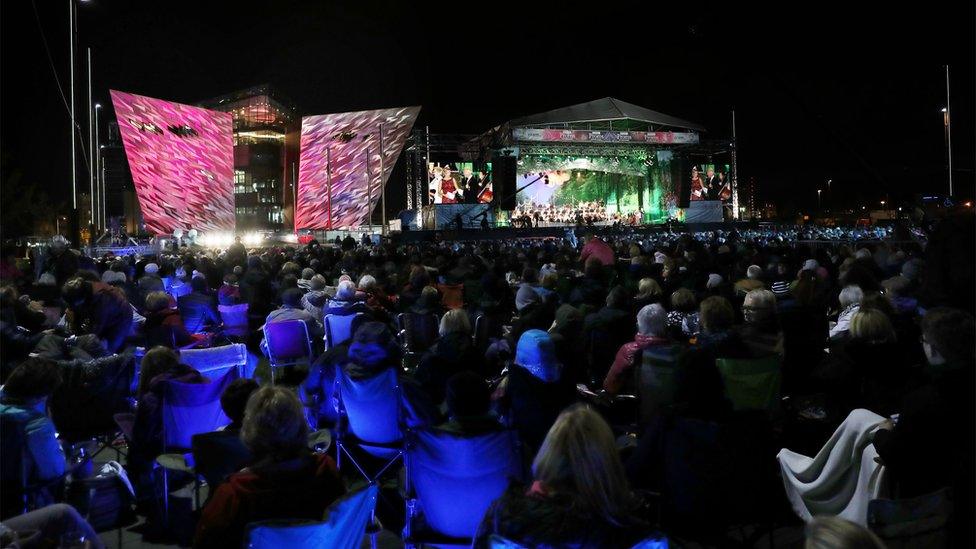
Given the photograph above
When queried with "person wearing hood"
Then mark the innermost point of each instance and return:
(315, 299)
(452, 353)
(534, 392)
(24, 401)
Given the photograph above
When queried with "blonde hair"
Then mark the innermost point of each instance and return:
(837, 533)
(274, 424)
(579, 458)
(872, 325)
(455, 320)
(648, 287)
(157, 301)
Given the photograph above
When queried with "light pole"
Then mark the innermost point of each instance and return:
(948, 129)
(99, 183)
(819, 206)
(71, 58)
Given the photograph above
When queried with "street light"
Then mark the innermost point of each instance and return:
(818, 198)
(99, 182)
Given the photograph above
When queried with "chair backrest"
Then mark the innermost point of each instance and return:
(218, 454)
(372, 407)
(444, 465)
(343, 527)
(340, 328)
(421, 330)
(13, 470)
(192, 408)
(752, 384)
(234, 318)
(215, 361)
(179, 291)
(287, 342)
(656, 379)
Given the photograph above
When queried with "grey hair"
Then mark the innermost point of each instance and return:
(651, 319)
(367, 281)
(759, 306)
(346, 290)
(850, 295)
(754, 271)
(455, 320)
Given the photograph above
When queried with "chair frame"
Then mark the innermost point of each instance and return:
(273, 362)
(357, 318)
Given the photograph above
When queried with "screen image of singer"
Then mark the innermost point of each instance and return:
(459, 183)
(182, 162)
(710, 182)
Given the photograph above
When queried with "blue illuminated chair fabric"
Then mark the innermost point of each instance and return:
(371, 418)
(653, 542)
(234, 319)
(343, 528)
(287, 343)
(455, 478)
(214, 362)
(189, 409)
(340, 328)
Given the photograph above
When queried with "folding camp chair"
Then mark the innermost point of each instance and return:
(287, 344)
(343, 527)
(214, 362)
(752, 384)
(234, 319)
(340, 328)
(454, 480)
(188, 409)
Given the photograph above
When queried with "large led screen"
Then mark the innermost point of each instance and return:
(339, 179)
(182, 162)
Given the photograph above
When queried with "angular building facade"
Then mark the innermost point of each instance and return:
(266, 136)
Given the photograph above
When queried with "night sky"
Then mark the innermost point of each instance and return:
(836, 91)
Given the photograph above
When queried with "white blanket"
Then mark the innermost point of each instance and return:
(843, 478)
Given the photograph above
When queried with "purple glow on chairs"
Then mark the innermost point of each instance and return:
(343, 528)
(455, 478)
(287, 343)
(339, 328)
(371, 409)
(192, 408)
(234, 318)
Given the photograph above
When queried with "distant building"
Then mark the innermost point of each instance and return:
(121, 203)
(266, 138)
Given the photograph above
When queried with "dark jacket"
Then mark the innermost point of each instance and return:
(108, 315)
(556, 520)
(301, 488)
(199, 311)
(166, 328)
(147, 431)
(451, 354)
(531, 405)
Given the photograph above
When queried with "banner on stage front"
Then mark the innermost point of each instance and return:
(182, 163)
(586, 136)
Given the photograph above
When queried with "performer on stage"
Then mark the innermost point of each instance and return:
(470, 187)
(434, 187)
(712, 184)
(485, 195)
(697, 186)
(448, 188)
(724, 187)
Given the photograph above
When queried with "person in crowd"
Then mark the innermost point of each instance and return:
(285, 480)
(648, 292)
(922, 451)
(229, 292)
(61, 260)
(199, 307)
(566, 333)
(850, 301)
(291, 309)
(683, 319)
(233, 401)
(150, 281)
(54, 525)
(99, 309)
(534, 391)
(760, 331)
(315, 299)
(651, 332)
(752, 281)
(304, 283)
(579, 494)
(256, 289)
(23, 403)
(345, 301)
(468, 403)
(164, 325)
(597, 248)
(452, 353)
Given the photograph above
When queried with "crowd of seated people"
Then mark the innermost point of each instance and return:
(541, 337)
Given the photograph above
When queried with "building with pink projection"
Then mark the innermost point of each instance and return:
(181, 160)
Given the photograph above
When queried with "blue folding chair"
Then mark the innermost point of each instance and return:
(214, 362)
(234, 319)
(188, 409)
(287, 343)
(370, 418)
(343, 528)
(455, 479)
(340, 328)
(654, 542)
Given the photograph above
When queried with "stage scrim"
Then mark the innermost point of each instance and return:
(332, 181)
(182, 162)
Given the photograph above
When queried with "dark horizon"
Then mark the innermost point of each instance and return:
(844, 93)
